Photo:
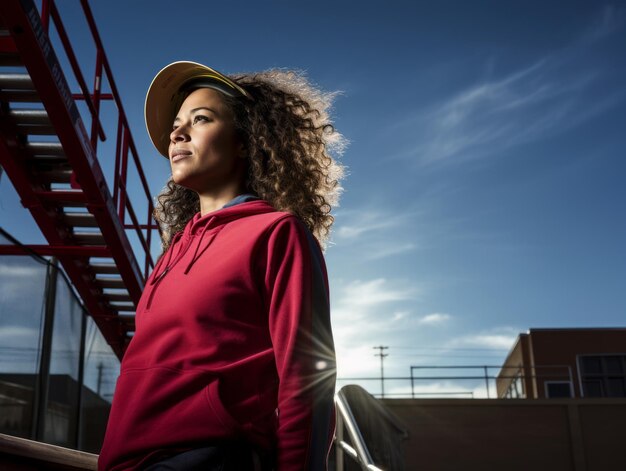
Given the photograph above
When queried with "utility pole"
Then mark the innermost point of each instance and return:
(382, 371)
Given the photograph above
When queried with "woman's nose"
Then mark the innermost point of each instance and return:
(178, 134)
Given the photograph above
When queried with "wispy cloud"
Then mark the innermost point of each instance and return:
(610, 20)
(497, 338)
(387, 250)
(372, 293)
(366, 221)
(370, 227)
(496, 115)
(545, 97)
(434, 319)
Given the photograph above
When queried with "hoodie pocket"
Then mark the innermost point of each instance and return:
(216, 405)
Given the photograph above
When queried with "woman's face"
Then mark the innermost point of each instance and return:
(205, 154)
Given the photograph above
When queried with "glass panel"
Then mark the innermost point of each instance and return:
(616, 387)
(556, 390)
(519, 384)
(613, 365)
(101, 371)
(592, 365)
(22, 286)
(61, 409)
(592, 388)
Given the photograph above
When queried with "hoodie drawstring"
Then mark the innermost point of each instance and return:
(198, 253)
(163, 261)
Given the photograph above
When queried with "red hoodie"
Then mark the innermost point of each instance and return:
(232, 341)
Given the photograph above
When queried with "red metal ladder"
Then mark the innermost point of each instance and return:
(50, 158)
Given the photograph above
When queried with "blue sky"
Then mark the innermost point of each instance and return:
(486, 166)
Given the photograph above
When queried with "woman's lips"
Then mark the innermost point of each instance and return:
(179, 155)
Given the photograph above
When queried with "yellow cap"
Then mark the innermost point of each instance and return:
(166, 94)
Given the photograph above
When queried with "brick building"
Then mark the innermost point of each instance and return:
(578, 362)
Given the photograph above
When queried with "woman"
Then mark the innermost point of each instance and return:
(232, 364)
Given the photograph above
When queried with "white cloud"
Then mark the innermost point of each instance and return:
(365, 312)
(373, 292)
(434, 319)
(501, 338)
(388, 250)
(17, 335)
(20, 271)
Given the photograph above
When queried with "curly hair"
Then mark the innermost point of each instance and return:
(288, 137)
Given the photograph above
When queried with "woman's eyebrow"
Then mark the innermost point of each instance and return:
(198, 109)
(203, 108)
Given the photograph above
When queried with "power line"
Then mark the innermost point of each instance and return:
(471, 349)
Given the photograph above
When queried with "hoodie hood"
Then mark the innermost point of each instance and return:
(201, 230)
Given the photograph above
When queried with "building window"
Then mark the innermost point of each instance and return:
(603, 375)
(558, 389)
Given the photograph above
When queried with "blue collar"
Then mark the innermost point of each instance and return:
(241, 199)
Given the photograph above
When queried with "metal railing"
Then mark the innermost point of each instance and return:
(125, 144)
(416, 385)
(355, 445)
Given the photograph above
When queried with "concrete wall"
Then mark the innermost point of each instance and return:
(509, 434)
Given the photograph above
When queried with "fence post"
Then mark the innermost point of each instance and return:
(41, 391)
(486, 368)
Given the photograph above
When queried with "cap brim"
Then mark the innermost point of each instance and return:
(163, 97)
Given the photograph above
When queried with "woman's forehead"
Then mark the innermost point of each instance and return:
(203, 98)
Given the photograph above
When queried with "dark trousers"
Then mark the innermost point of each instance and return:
(222, 457)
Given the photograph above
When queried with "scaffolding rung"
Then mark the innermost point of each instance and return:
(108, 269)
(34, 130)
(123, 307)
(44, 148)
(66, 198)
(127, 320)
(55, 176)
(21, 116)
(10, 59)
(114, 297)
(89, 238)
(111, 283)
(19, 96)
(16, 82)
(80, 220)
(43, 162)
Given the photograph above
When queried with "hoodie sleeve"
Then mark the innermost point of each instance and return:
(296, 287)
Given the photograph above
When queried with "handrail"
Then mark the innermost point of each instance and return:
(54, 12)
(345, 419)
(15, 452)
(125, 143)
(361, 454)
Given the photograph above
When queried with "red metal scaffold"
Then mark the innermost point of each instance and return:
(51, 160)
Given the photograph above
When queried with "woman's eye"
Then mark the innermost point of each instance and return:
(200, 118)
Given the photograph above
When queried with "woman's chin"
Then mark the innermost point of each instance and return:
(181, 179)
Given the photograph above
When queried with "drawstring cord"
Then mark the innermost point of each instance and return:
(198, 253)
(162, 261)
(170, 255)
